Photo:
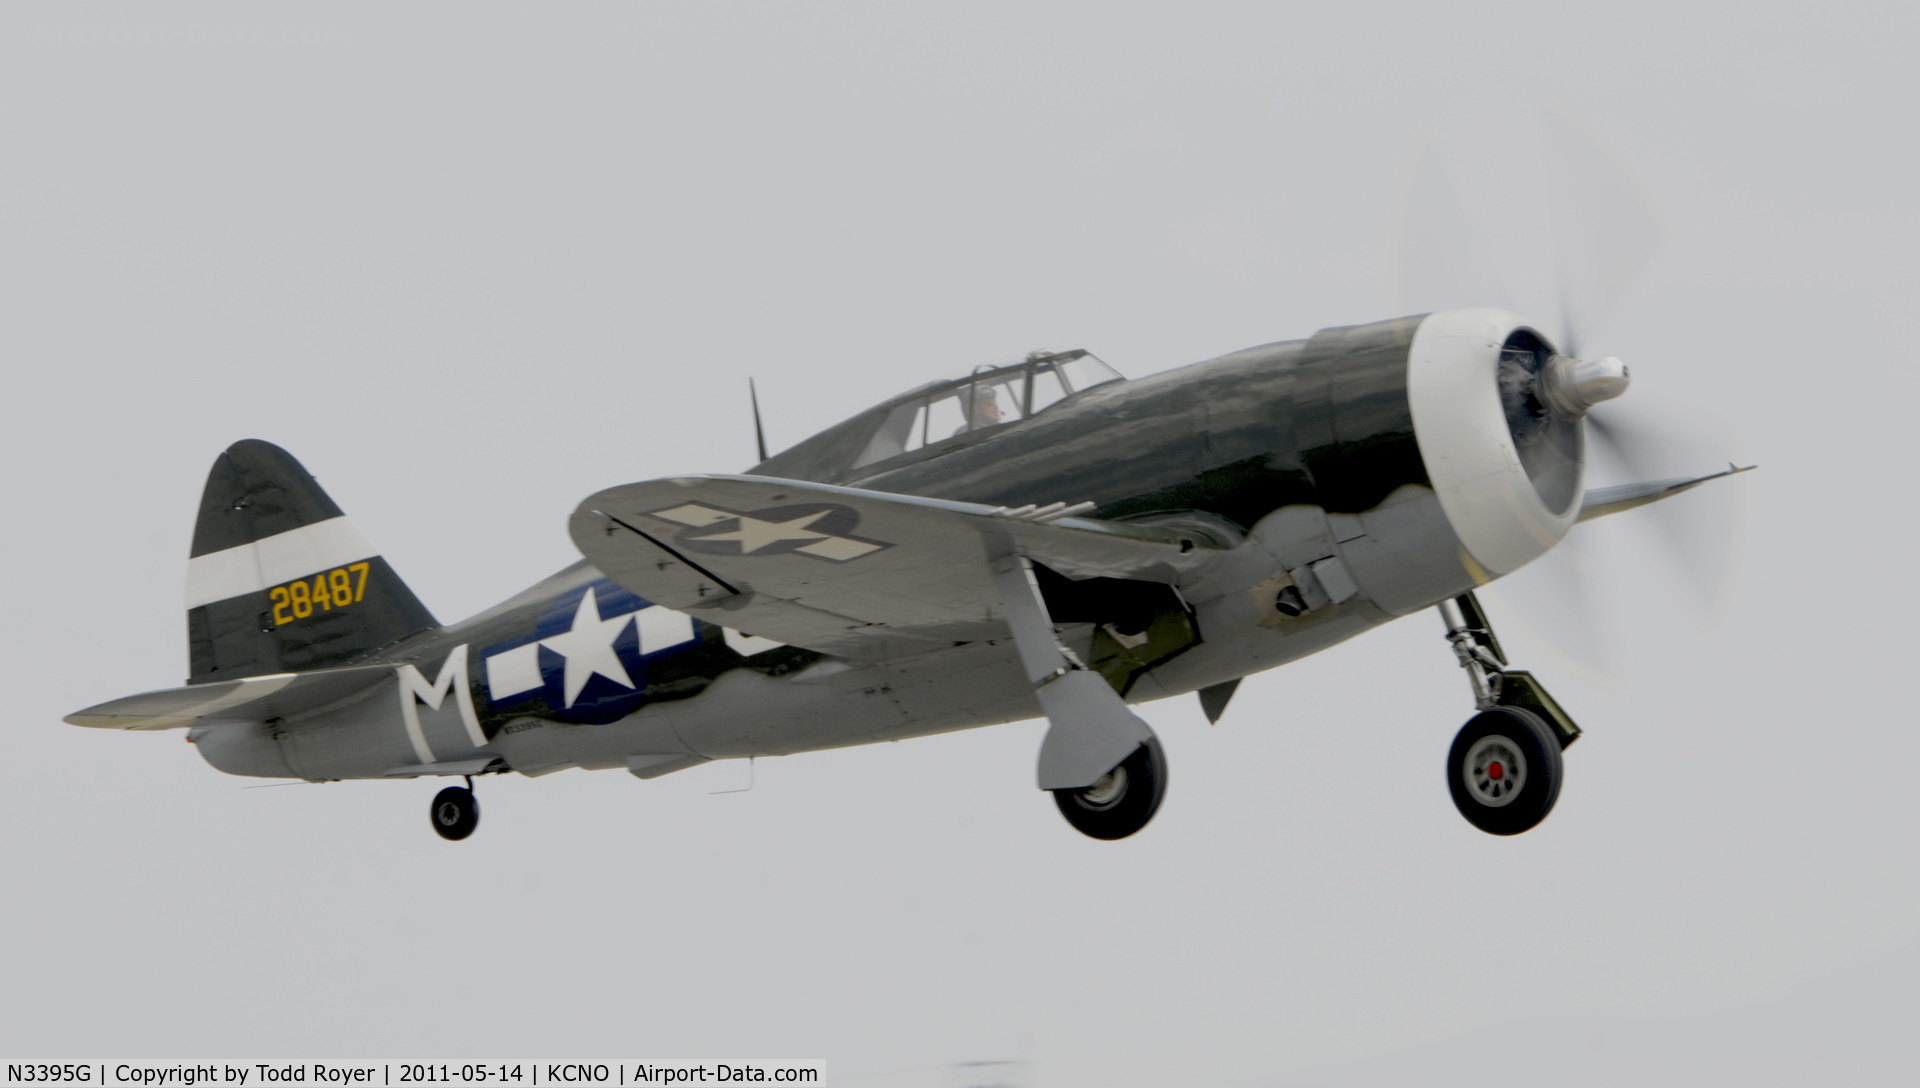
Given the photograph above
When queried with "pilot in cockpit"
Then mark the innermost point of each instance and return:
(983, 409)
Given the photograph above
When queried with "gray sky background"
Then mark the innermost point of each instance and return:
(471, 264)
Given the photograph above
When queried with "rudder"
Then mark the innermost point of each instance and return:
(279, 579)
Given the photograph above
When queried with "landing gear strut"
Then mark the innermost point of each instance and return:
(1504, 768)
(1122, 800)
(1102, 764)
(455, 812)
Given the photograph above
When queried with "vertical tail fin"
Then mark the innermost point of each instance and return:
(280, 580)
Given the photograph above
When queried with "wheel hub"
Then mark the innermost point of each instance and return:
(1495, 771)
(1106, 791)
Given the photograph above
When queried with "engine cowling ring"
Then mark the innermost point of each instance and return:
(1467, 444)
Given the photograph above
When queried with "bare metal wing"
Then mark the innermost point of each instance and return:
(842, 570)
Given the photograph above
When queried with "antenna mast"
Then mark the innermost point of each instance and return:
(759, 432)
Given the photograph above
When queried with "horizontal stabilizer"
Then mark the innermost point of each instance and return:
(256, 698)
(843, 570)
(1601, 501)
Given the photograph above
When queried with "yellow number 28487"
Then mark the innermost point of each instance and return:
(328, 590)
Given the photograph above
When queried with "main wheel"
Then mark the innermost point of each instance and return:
(455, 812)
(1504, 770)
(1123, 799)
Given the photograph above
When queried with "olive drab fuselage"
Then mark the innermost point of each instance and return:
(1296, 465)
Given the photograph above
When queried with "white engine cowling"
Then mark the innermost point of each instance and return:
(1507, 470)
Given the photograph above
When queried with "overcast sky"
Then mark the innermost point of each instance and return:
(471, 264)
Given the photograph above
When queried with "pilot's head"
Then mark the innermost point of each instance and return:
(983, 408)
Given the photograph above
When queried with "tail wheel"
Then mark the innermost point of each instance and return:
(1504, 770)
(1123, 799)
(455, 813)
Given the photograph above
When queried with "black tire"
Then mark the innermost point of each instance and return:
(1485, 792)
(1123, 800)
(455, 813)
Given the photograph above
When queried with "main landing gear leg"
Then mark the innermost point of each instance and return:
(1504, 769)
(1102, 764)
(456, 811)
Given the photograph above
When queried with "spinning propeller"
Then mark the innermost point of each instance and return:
(1603, 232)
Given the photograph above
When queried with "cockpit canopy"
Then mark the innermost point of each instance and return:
(941, 413)
(989, 397)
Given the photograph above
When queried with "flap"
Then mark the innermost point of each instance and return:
(256, 698)
(842, 570)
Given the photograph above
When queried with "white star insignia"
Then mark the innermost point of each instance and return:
(588, 647)
(754, 534)
(757, 534)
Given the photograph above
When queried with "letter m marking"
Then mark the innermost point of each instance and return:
(415, 690)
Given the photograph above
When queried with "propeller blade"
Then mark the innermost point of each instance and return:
(1442, 262)
(1551, 604)
(1699, 529)
(1605, 230)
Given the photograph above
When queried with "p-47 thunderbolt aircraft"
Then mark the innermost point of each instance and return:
(1039, 538)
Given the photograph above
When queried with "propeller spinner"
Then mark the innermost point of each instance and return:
(1570, 386)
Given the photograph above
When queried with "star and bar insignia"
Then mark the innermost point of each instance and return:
(821, 530)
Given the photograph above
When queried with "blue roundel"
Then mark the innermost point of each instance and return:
(586, 659)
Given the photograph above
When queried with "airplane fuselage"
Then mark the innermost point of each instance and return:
(1295, 467)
